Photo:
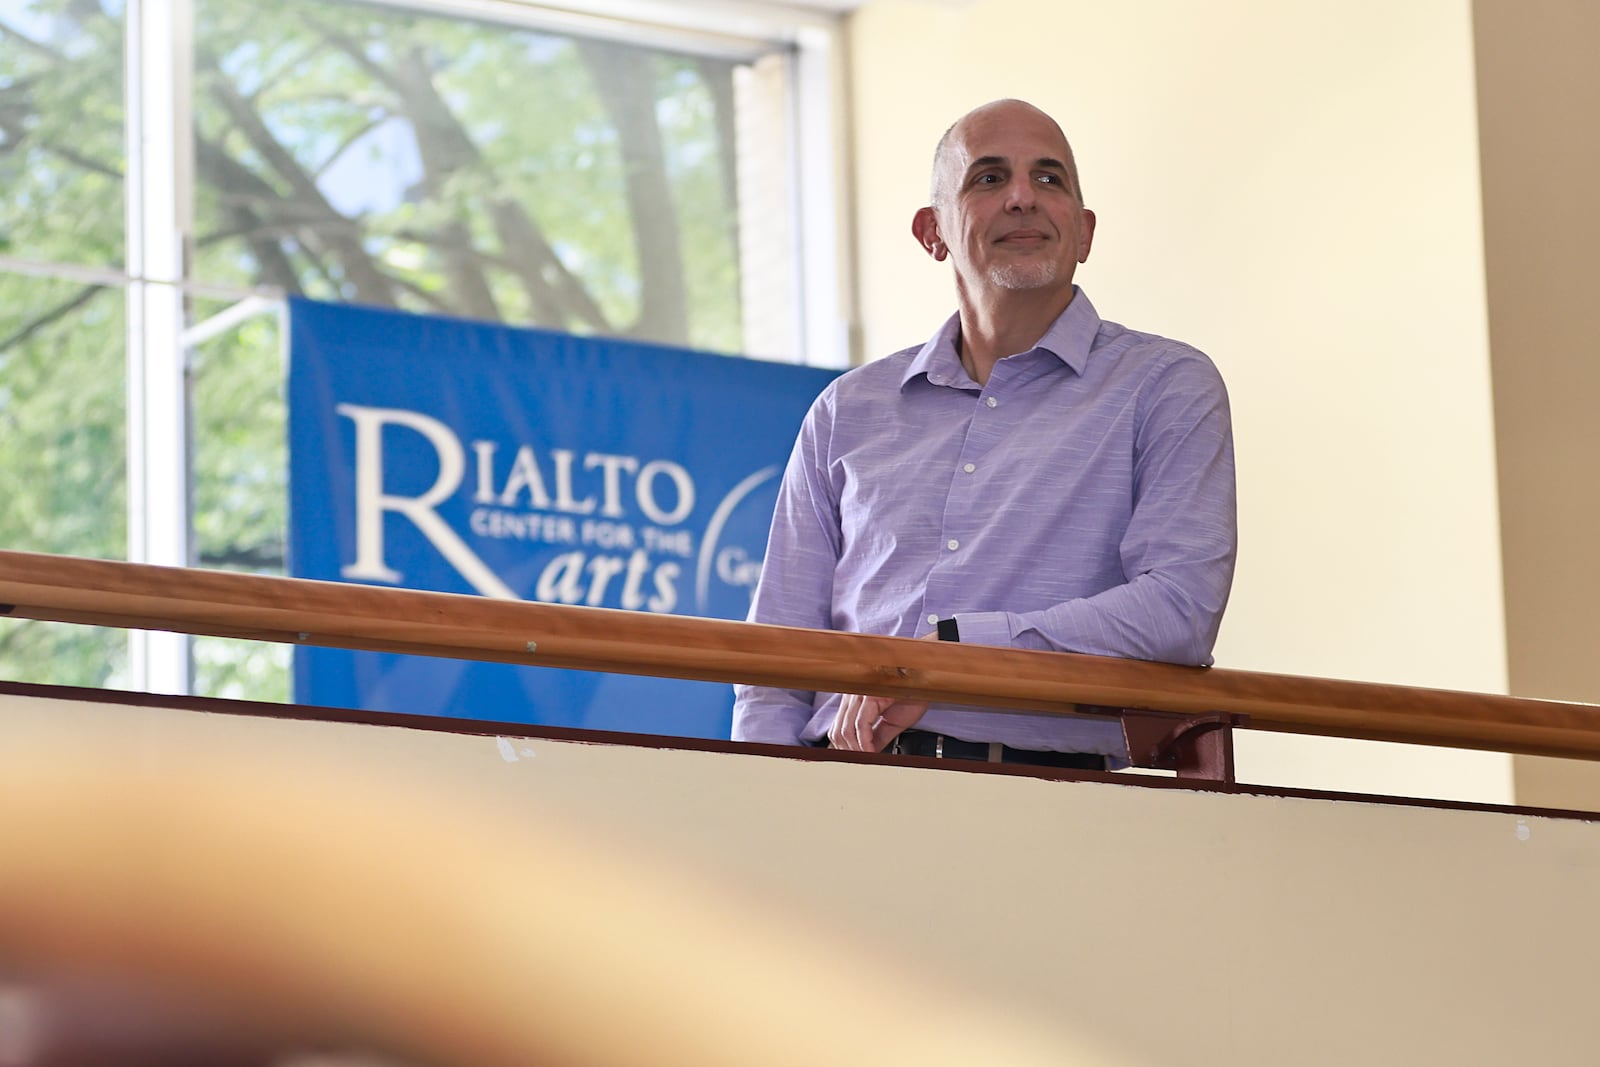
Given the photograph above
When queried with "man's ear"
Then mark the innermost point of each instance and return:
(1088, 236)
(925, 227)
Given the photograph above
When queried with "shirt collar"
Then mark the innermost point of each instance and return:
(1069, 339)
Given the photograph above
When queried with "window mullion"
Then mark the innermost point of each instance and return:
(159, 209)
(823, 208)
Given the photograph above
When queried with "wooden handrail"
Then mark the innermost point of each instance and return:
(301, 611)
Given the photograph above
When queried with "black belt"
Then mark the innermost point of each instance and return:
(941, 746)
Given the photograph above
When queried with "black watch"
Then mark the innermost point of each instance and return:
(948, 631)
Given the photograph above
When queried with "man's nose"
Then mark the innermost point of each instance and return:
(1020, 194)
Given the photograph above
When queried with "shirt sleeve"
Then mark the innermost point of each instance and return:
(1179, 547)
(796, 586)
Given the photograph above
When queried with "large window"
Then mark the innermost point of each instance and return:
(496, 160)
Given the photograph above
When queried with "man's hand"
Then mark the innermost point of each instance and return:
(868, 724)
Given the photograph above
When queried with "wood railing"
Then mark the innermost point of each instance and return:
(300, 611)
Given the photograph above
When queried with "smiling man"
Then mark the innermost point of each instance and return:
(1033, 476)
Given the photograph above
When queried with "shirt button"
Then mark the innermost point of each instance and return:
(991, 401)
(970, 467)
(933, 620)
(952, 544)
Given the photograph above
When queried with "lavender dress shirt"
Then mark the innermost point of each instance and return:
(1081, 501)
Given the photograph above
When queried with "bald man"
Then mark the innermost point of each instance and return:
(1033, 476)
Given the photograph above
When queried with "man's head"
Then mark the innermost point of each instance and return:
(1007, 206)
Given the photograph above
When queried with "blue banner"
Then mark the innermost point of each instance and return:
(434, 453)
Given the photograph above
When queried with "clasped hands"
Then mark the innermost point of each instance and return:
(868, 724)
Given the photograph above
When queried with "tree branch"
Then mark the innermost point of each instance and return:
(371, 284)
(8, 30)
(433, 300)
(55, 314)
(718, 78)
(625, 85)
(224, 172)
(557, 296)
(344, 146)
(446, 151)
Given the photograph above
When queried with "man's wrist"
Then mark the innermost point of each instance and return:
(948, 630)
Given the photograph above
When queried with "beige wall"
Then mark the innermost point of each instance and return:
(1537, 87)
(1156, 927)
(1293, 188)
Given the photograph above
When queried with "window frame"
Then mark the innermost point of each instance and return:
(159, 193)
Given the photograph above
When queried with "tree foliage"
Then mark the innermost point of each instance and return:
(357, 153)
(347, 152)
(61, 459)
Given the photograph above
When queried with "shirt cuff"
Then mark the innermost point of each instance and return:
(984, 627)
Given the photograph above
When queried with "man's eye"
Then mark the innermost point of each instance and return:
(988, 179)
(1053, 179)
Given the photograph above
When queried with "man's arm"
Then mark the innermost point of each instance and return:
(1179, 547)
(796, 587)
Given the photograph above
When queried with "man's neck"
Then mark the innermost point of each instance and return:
(999, 327)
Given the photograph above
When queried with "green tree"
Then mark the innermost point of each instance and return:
(395, 159)
(62, 480)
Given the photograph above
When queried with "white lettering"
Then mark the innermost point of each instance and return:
(563, 581)
(736, 568)
(564, 501)
(676, 542)
(522, 526)
(638, 563)
(666, 592)
(645, 492)
(601, 570)
(612, 487)
(525, 475)
(607, 534)
(558, 582)
(371, 501)
(528, 475)
(485, 452)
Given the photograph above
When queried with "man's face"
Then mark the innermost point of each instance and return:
(1007, 214)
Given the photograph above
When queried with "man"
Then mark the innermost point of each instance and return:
(1033, 476)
